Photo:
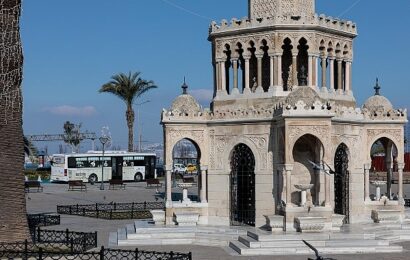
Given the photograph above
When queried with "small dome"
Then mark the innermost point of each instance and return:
(305, 94)
(378, 102)
(185, 103)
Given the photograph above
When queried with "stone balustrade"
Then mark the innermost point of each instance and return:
(322, 20)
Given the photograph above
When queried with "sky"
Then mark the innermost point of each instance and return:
(72, 47)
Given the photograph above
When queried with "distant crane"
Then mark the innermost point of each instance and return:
(61, 137)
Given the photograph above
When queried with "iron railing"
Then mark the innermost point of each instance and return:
(112, 210)
(42, 220)
(27, 251)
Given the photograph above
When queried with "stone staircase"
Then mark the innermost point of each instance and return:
(144, 233)
(261, 242)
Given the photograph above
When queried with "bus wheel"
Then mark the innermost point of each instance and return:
(92, 179)
(138, 177)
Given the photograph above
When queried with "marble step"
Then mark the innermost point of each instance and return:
(252, 243)
(357, 249)
(266, 236)
(142, 242)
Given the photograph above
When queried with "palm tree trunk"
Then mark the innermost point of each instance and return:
(130, 122)
(13, 220)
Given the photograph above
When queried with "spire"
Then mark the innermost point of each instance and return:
(184, 88)
(377, 88)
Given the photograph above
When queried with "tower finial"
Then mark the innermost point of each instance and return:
(377, 88)
(184, 88)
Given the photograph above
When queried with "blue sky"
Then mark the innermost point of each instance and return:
(72, 47)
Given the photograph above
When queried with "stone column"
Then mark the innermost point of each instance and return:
(332, 73)
(327, 189)
(223, 77)
(203, 192)
(235, 89)
(168, 185)
(315, 71)
(247, 90)
(400, 168)
(389, 167)
(272, 72)
(339, 76)
(279, 71)
(366, 182)
(310, 71)
(295, 69)
(288, 169)
(324, 72)
(347, 77)
(260, 88)
(218, 77)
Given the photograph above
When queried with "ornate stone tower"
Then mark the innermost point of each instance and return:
(280, 8)
(281, 46)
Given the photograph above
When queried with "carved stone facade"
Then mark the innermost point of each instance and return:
(294, 132)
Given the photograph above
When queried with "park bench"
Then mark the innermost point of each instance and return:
(116, 183)
(28, 185)
(189, 179)
(77, 185)
(153, 182)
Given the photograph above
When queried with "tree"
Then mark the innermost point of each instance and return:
(13, 220)
(72, 135)
(128, 88)
(30, 149)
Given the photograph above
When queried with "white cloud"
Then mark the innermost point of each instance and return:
(67, 110)
(202, 95)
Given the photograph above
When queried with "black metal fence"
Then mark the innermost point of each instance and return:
(112, 210)
(407, 202)
(11, 251)
(68, 240)
(42, 220)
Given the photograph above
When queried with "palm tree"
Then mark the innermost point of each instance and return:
(13, 218)
(128, 88)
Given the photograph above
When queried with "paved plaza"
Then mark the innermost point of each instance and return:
(58, 194)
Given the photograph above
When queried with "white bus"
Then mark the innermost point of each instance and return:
(117, 165)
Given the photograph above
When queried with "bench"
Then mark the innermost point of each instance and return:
(114, 183)
(32, 184)
(153, 182)
(77, 185)
(189, 179)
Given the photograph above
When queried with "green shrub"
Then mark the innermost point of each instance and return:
(33, 174)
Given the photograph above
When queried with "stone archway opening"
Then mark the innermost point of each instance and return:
(341, 181)
(307, 151)
(186, 157)
(242, 185)
(383, 154)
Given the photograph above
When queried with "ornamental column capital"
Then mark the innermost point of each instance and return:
(400, 166)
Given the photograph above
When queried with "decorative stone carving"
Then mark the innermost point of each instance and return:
(186, 219)
(337, 222)
(310, 224)
(386, 216)
(396, 134)
(320, 131)
(274, 223)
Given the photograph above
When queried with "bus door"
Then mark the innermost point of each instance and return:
(149, 167)
(117, 168)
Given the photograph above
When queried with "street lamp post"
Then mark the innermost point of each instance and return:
(103, 139)
(139, 124)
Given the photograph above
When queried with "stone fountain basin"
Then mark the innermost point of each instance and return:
(184, 185)
(379, 183)
(304, 187)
